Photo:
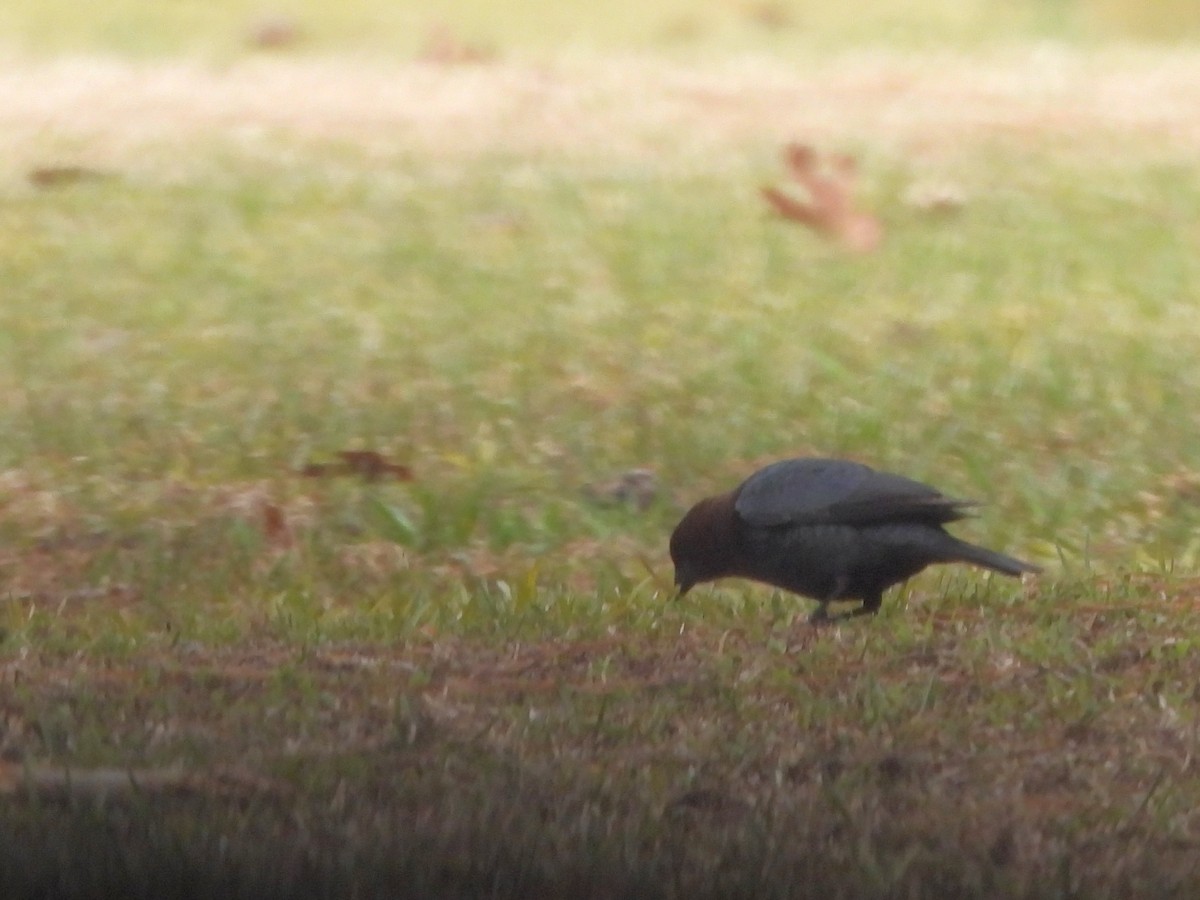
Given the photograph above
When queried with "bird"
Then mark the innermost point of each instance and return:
(829, 530)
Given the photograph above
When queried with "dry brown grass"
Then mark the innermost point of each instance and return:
(608, 109)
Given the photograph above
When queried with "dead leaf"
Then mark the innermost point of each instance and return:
(829, 208)
(368, 465)
(59, 176)
(372, 466)
(636, 488)
(274, 32)
(275, 526)
(443, 47)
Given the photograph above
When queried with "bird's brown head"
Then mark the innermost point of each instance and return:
(705, 544)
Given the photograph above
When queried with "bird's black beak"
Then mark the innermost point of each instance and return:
(683, 582)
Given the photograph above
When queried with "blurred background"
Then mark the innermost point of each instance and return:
(535, 27)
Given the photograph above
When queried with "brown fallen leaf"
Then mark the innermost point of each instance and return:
(443, 47)
(636, 488)
(274, 32)
(275, 526)
(366, 464)
(829, 208)
(372, 466)
(58, 176)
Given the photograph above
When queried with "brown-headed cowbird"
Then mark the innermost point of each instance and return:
(827, 529)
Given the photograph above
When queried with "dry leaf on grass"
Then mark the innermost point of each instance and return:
(829, 208)
(636, 488)
(368, 465)
(274, 32)
(443, 47)
(275, 525)
(59, 176)
(255, 503)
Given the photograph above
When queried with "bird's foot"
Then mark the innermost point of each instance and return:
(821, 617)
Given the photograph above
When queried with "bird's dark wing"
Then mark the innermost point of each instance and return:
(838, 492)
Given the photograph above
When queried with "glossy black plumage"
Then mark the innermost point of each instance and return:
(827, 529)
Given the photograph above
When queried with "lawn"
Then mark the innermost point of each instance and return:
(235, 662)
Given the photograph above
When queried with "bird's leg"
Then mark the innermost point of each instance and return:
(821, 615)
(870, 605)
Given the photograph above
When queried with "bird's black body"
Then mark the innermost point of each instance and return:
(827, 529)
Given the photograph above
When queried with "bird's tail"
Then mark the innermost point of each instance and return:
(990, 559)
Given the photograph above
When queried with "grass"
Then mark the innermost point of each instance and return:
(477, 683)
